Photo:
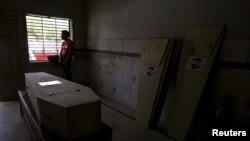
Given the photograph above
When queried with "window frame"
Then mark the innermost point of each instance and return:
(44, 16)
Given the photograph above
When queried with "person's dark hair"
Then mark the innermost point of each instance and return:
(66, 33)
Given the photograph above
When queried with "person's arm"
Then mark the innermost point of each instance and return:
(60, 55)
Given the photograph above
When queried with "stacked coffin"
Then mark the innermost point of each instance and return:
(157, 81)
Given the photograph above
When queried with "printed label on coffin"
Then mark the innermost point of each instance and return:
(150, 71)
(155, 56)
(196, 63)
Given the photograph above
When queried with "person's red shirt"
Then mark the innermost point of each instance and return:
(67, 51)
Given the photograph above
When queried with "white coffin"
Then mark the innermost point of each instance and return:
(68, 109)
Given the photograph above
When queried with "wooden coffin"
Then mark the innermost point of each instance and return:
(65, 108)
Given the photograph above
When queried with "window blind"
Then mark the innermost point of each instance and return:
(44, 35)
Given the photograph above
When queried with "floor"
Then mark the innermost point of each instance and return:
(125, 110)
(12, 128)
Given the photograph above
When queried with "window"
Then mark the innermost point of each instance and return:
(44, 35)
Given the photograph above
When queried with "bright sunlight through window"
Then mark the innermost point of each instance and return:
(44, 36)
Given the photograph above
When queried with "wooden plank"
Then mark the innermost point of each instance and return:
(198, 53)
(153, 51)
(154, 54)
(159, 116)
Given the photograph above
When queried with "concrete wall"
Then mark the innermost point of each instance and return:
(157, 18)
(112, 23)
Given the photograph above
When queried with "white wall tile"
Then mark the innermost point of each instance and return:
(93, 79)
(108, 85)
(132, 46)
(134, 94)
(124, 86)
(97, 44)
(136, 64)
(124, 62)
(119, 62)
(127, 75)
(115, 45)
(117, 75)
(109, 61)
(79, 43)
(124, 90)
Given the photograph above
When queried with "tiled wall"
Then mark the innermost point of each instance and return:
(113, 65)
(112, 69)
(159, 18)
